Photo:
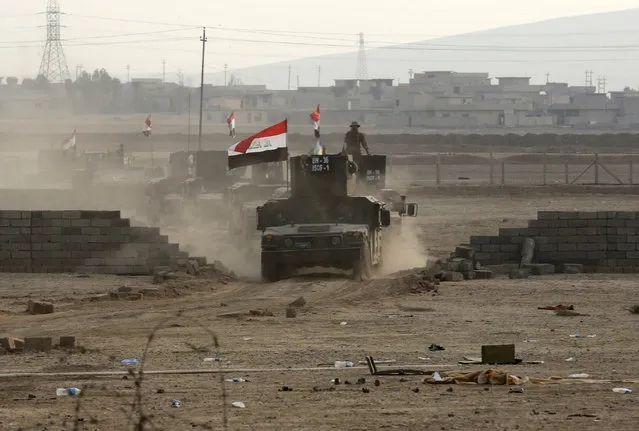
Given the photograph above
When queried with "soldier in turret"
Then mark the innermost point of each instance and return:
(354, 139)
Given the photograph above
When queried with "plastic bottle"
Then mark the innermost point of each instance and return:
(130, 361)
(622, 390)
(237, 380)
(63, 392)
(344, 364)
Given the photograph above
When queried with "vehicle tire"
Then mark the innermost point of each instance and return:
(362, 268)
(270, 271)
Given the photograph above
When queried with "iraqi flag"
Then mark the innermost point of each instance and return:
(147, 122)
(231, 123)
(69, 143)
(269, 145)
(315, 118)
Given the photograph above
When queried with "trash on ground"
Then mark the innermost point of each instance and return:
(435, 347)
(570, 360)
(211, 359)
(516, 390)
(557, 307)
(238, 404)
(579, 376)
(423, 358)
(236, 380)
(344, 364)
(131, 361)
(581, 336)
(343, 323)
(530, 341)
(622, 390)
(484, 377)
(63, 392)
(176, 404)
(247, 338)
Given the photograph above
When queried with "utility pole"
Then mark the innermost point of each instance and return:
(289, 77)
(188, 138)
(547, 77)
(78, 69)
(410, 74)
(298, 82)
(319, 71)
(128, 73)
(203, 40)
(163, 70)
(226, 68)
(588, 78)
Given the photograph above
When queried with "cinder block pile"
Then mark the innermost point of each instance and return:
(601, 241)
(81, 241)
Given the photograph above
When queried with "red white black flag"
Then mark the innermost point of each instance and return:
(231, 123)
(315, 118)
(147, 122)
(318, 150)
(269, 145)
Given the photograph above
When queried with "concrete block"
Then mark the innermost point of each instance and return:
(483, 274)
(572, 268)
(469, 275)
(581, 223)
(67, 342)
(498, 354)
(473, 239)
(567, 215)
(11, 344)
(38, 344)
(291, 313)
(80, 222)
(587, 215)
(547, 215)
(452, 276)
(625, 215)
(465, 251)
(71, 214)
(101, 222)
(39, 307)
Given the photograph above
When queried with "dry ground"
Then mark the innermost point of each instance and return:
(461, 316)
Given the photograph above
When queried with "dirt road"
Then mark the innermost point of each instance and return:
(382, 320)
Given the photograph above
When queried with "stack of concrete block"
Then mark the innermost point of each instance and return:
(601, 241)
(81, 241)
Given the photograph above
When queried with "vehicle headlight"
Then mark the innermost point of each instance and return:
(336, 240)
(288, 242)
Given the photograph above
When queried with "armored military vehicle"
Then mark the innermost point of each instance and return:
(322, 224)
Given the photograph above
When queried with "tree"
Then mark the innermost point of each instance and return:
(95, 93)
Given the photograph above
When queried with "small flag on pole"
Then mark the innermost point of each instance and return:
(147, 122)
(318, 150)
(269, 145)
(69, 143)
(231, 123)
(315, 118)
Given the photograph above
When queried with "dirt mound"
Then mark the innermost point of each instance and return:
(414, 281)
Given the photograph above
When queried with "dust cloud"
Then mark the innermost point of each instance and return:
(205, 234)
(402, 249)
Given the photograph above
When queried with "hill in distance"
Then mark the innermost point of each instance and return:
(605, 43)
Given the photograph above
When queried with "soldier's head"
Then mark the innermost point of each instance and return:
(354, 126)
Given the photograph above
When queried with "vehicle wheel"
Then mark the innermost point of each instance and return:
(362, 268)
(270, 272)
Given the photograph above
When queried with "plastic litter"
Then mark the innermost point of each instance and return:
(176, 404)
(622, 391)
(238, 404)
(344, 364)
(343, 323)
(570, 360)
(579, 376)
(530, 341)
(516, 390)
(212, 359)
(132, 361)
(64, 392)
(436, 347)
(236, 380)
(437, 377)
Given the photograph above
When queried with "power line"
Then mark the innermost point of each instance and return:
(105, 36)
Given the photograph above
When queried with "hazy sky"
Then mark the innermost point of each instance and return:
(141, 33)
